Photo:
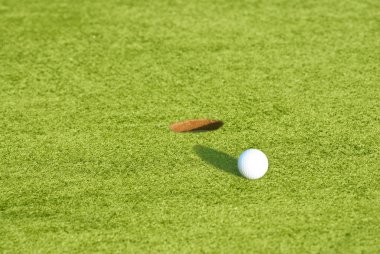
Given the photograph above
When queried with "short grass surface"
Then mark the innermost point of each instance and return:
(88, 90)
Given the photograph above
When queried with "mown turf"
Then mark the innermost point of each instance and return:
(88, 90)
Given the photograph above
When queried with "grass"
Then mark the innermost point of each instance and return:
(89, 88)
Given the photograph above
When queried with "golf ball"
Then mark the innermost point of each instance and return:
(253, 164)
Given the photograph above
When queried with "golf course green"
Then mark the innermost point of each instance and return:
(88, 90)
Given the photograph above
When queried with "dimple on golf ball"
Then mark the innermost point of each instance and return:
(253, 164)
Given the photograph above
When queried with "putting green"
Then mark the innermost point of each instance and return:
(88, 90)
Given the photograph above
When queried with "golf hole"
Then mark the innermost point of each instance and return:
(196, 125)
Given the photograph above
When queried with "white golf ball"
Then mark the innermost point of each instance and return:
(253, 164)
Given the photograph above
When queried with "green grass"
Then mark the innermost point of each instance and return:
(88, 89)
